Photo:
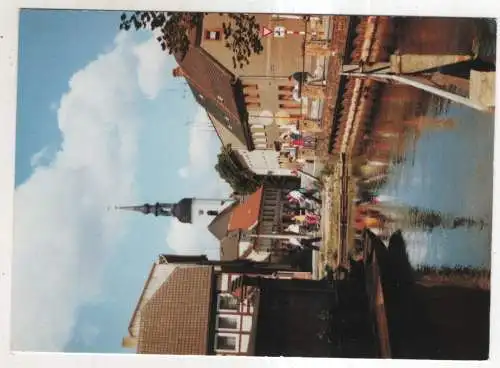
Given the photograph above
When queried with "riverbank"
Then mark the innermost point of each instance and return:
(423, 321)
(390, 115)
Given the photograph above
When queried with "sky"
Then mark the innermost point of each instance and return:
(100, 122)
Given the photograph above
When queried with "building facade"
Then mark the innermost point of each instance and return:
(260, 103)
(202, 307)
(254, 229)
(189, 306)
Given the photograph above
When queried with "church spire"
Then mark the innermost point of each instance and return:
(186, 210)
(158, 209)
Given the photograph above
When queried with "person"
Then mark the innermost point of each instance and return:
(305, 243)
(301, 77)
(295, 134)
(310, 194)
(312, 219)
(311, 243)
(296, 197)
(299, 218)
(293, 228)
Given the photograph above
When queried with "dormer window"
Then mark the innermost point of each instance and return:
(212, 35)
(201, 96)
(220, 99)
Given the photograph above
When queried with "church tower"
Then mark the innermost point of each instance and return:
(187, 210)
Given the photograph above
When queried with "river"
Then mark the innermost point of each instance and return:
(449, 171)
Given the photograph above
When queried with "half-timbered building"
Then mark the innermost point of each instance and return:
(193, 306)
(189, 306)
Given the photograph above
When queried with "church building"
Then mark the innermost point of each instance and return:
(187, 210)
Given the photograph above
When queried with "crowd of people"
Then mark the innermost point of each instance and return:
(301, 217)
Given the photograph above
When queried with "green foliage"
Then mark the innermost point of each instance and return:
(240, 177)
(241, 33)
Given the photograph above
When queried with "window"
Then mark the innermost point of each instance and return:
(228, 302)
(213, 35)
(218, 281)
(226, 342)
(227, 322)
(201, 212)
(212, 213)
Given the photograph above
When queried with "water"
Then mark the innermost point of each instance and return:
(446, 174)
(449, 172)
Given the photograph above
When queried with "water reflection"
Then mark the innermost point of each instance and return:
(437, 187)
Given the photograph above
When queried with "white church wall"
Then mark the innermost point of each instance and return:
(205, 210)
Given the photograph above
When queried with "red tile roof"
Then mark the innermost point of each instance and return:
(246, 214)
(210, 79)
(176, 319)
(221, 91)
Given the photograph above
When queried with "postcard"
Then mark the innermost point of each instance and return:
(253, 184)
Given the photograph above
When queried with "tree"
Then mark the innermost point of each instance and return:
(241, 33)
(240, 178)
(244, 181)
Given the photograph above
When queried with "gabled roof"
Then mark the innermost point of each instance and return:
(227, 134)
(219, 225)
(176, 319)
(246, 214)
(150, 287)
(218, 91)
(215, 88)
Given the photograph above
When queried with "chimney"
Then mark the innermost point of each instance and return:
(177, 72)
(129, 342)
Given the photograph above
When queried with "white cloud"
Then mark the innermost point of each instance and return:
(200, 174)
(154, 67)
(63, 231)
(89, 333)
(202, 153)
(203, 147)
(192, 239)
(39, 157)
(184, 172)
(201, 140)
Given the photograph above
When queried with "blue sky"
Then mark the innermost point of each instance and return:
(101, 121)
